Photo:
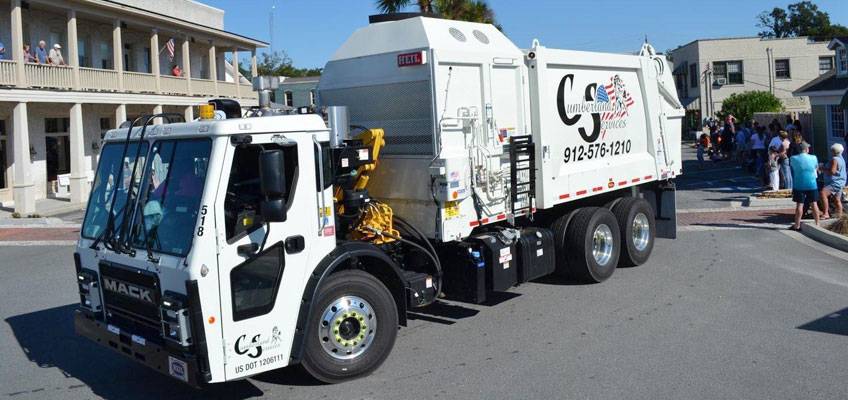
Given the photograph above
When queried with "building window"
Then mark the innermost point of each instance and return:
(837, 121)
(693, 75)
(781, 69)
(57, 125)
(825, 65)
(312, 97)
(842, 56)
(148, 66)
(731, 71)
(3, 163)
(105, 125)
(58, 147)
(82, 51)
(105, 56)
(289, 98)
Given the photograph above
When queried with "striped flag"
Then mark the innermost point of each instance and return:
(170, 47)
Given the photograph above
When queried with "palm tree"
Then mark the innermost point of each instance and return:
(462, 10)
(393, 6)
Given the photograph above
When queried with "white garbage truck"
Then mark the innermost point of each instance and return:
(449, 164)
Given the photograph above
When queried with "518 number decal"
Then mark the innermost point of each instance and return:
(596, 150)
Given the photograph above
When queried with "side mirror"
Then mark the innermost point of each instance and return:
(272, 180)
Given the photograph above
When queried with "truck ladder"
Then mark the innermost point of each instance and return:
(522, 157)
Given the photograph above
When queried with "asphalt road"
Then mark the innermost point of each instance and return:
(712, 185)
(718, 314)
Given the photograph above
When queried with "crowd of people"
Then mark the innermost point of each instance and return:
(41, 55)
(54, 56)
(779, 157)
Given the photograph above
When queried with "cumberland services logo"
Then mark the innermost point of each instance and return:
(607, 103)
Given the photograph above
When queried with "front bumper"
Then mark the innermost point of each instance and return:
(174, 363)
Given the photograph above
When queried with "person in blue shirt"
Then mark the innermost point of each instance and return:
(833, 179)
(2, 50)
(41, 53)
(804, 189)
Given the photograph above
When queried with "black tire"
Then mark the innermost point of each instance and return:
(358, 283)
(579, 238)
(625, 212)
(561, 244)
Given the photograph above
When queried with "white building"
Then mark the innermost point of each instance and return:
(118, 67)
(710, 70)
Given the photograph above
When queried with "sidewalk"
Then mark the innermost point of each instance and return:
(45, 208)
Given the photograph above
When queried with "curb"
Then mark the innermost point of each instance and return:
(755, 202)
(824, 236)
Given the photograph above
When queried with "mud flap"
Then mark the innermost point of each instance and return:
(662, 198)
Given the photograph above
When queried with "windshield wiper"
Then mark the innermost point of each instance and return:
(127, 223)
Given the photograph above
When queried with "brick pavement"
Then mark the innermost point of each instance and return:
(38, 234)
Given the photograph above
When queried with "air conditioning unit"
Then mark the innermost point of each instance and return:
(721, 81)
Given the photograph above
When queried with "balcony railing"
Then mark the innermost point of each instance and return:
(107, 80)
(173, 85)
(204, 87)
(139, 82)
(8, 73)
(48, 76)
(98, 79)
(227, 89)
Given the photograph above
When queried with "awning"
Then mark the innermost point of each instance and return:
(691, 103)
(680, 69)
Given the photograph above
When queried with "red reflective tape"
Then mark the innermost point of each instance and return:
(502, 216)
(562, 196)
(635, 180)
(485, 220)
(622, 183)
(580, 193)
(597, 189)
(534, 209)
(649, 177)
(473, 223)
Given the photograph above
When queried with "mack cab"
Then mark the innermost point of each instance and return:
(207, 246)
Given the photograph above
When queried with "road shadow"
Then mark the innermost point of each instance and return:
(291, 376)
(834, 323)
(48, 339)
(441, 312)
(556, 280)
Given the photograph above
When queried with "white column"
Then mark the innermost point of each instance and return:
(154, 57)
(254, 71)
(24, 187)
(188, 112)
(118, 56)
(73, 48)
(79, 186)
(187, 63)
(18, 41)
(236, 71)
(120, 114)
(213, 66)
(157, 110)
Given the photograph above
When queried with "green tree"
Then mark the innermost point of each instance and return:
(743, 105)
(798, 19)
(461, 10)
(276, 64)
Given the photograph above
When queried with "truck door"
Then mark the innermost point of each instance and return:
(260, 277)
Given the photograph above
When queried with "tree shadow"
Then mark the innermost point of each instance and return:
(834, 323)
(48, 339)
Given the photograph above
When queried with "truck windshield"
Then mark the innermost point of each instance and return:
(168, 209)
(112, 182)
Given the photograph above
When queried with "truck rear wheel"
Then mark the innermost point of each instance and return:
(638, 230)
(591, 245)
(353, 328)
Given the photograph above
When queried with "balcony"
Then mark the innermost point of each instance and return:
(40, 76)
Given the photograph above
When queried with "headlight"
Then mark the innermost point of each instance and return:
(89, 290)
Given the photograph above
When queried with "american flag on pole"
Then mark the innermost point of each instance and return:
(170, 46)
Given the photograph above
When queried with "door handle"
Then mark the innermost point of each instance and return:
(295, 244)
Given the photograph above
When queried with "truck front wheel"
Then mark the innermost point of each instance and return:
(353, 328)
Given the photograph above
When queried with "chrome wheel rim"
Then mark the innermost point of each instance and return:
(640, 232)
(602, 244)
(347, 327)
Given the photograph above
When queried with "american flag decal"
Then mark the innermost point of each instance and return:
(615, 93)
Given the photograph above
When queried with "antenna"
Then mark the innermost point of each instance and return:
(271, 27)
(646, 38)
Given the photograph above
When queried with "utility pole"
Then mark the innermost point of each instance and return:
(271, 27)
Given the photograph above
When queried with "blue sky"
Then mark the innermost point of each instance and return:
(311, 30)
